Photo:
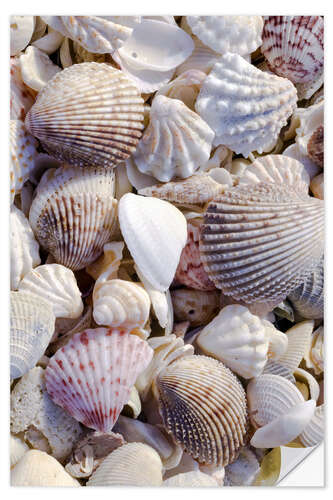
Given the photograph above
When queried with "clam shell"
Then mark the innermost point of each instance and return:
(314, 432)
(37, 68)
(294, 46)
(238, 339)
(21, 30)
(18, 448)
(21, 97)
(308, 298)
(97, 121)
(299, 341)
(176, 142)
(90, 362)
(73, 213)
(58, 285)
(275, 368)
(185, 87)
(317, 186)
(243, 471)
(260, 242)
(316, 146)
(193, 479)
(203, 406)
(155, 233)
(134, 464)
(314, 357)
(197, 306)
(233, 88)
(31, 328)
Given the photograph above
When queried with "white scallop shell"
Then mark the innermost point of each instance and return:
(176, 142)
(155, 232)
(243, 471)
(277, 341)
(58, 285)
(314, 357)
(244, 106)
(18, 448)
(194, 479)
(299, 341)
(37, 68)
(21, 30)
(238, 339)
(293, 151)
(185, 87)
(317, 186)
(314, 432)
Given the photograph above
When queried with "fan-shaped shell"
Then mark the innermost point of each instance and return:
(100, 366)
(134, 464)
(299, 341)
(73, 213)
(185, 87)
(244, 106)
(260, 242)
(294, 46)
(193, 479)
(88, 114)
(31, 328)
(243, 471)
(314, 432)
(21, 97)
(203, 406)
(317, 186)
(314, 357)
(197, 306)
(176, 142)
(308, 298)
(21, 30)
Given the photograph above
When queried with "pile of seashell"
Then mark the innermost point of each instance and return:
(167, 248)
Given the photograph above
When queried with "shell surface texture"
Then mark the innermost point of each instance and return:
(196, 306)
(314, 432)
(88, 114)
(316, 146)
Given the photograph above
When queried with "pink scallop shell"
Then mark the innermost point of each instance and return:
(91, 377)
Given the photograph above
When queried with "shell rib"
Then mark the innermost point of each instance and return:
(203, 406)
(314, 432)
(88, 114)
(260, 242)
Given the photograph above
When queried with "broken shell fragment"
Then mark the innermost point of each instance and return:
(243, 471)
(196, 306)
(316, 146)
(314, 357)
(317, 186)
(37, 68)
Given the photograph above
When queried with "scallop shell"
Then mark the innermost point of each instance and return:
(73, 213)
(92, 360)
(239, 34)
(193, 479)
(294, 152)
(24, 249)
(80, 129)
(31, 328)
(243, 471)
(228, 102)
(277, 240)
(21, 97)
(18, 448)
(134, 464)
(294, 46)
(308, 298)
(317, 186)
(37, 68)
(155, 233)
(277, 341)
(21, 30)
(203, 406)
(299, 341)
(197, 306)
(314, 357)
(314, 432)
(238, 339)
(185, 87)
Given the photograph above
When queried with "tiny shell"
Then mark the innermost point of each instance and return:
(197, 306)
(314, 432)
(314, 357)
(243, 471)
(317, 186)
(21, 30)
(185, 87)
(37, 68)
(308, 298)
(299, 341)
(194, 479)
(21, 97)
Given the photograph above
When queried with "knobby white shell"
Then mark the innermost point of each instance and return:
(21, 30)
(194, 479)
(299, 341)
(37, 68)
(314, 432)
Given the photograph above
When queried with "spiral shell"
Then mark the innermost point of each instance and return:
(308, 298)
(314, 432)
(196, 306)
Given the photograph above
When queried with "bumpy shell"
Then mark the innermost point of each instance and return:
(176, 142)
(203, 406)
(229, 102)
(243, 471)
(317, 186)
(238, 339)
(73, 213)
(260, 242)
(101, 366)
(299, 341)
(134, 464)
(196, 306)
(314, 358)
(185, 87)
(316, 146)
(58, 285)
(294, 46)
(193, 479)
(31, 328)
(314, 432)
(88, 114)
(308, 298)
(239, 34)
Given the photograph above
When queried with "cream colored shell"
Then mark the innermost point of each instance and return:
(108, 263)
(23, 151)
(314, 357)
(194, 479)
(299, 341)
(18, 448)
(197, 306)
(21, 30)
(185, 87)
(314, 432)
(37, 68)
(277, 341)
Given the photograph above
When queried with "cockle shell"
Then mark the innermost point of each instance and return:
(31, 328)
(91, 361)
(299, 341)
(259, 242)
(277, 341)
(238, 339)
(317, 186)
(316, 146)
(24, 249)
(275, 368)
(21, 97)
(251, 117)
(243, 471)
(97, 121)
(73, 213)
(134, 464)
(21, 30)
(294, 46)
(203, 406)
(239, 34)
(18, 448)
(37, 68)
(155, 233)
(314, 357)
(176, 142)
(308, 298)
(194, 479)
(185, 87)
(196, 306)
(314, 432)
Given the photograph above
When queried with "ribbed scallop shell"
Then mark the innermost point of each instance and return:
(260, 242)
(308, 298)
(314, 358)
(21, 97)
(197, 306)
(314, 432)
(31, 328)
(243, 471)
(88, 114)
(100, 366)
(133, 464)
(58, 285)
(299, 341)
(193, 479)
(316, 146)
(239, 34)
(185, 87)
(317, 186)
(203, 406)
(244, 106)
(275, 368)
(294, 46)
(73, 213)
(176, 142)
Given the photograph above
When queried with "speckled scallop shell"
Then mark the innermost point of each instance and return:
(21, 97)
(294, 46)
(203, 406)
(238, 339)
(308, 298)
(193, 479)
(133, 464)
(31, 328)
(97, 120)
(299, 341)
(317, 186)
(243, 471)
(316, 146)
(176, 142)
(185, 87)
(314, 357)
(197, 306)
(100, 366)
(260, 242)
(58, 285)
(73, 213)
(245, 107)
(239, 34)
(314, 432)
